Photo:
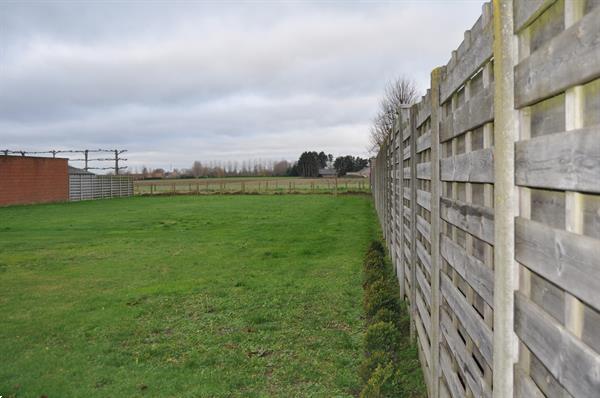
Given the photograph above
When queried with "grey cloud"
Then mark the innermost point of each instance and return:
(208, 80)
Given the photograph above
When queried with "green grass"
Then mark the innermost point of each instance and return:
(183, 296)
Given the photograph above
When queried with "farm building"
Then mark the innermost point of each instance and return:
(327, 172)
(28, 180)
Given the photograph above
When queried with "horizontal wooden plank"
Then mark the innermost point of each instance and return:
(424, 256)
(571, 362)
(478, 50)
(475, 112)
(569, 161)
(424, 142)
(406, 193)
(464, 359)
(423, 340)
(452, 381)
(478, 275)
(568, 260)
(424, 171)
(570, 58)
(423, 313)
(475, 166)
(524, 386)
(469, 318)
(423, 285)
(406, 153)
(476, 220)
(406, 172)
(424, 228)
(424, 199)
(525, 11)
(423, 109)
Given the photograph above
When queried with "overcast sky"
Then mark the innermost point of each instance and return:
(177, 81)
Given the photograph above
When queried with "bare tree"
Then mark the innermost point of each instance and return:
(401, 91)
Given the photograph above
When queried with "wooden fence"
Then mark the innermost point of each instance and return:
(251, 186)
(488, 196)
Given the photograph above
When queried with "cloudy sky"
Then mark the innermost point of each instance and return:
(177, 81)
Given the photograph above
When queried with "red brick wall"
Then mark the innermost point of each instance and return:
(33, 180)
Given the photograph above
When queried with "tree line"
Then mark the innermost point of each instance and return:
(308, 165)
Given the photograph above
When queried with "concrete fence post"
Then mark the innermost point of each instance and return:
(505, 131)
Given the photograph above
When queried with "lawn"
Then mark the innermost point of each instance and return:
(184, 296)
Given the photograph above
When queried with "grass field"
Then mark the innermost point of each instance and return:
(183, 296)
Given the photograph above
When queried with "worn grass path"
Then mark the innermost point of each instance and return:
(183, 296)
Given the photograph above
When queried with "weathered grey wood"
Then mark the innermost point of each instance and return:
(424, 142)
(478, 52)
(422, 337)
(525, 387)
(406, 230)
(406, 153)
(475, 166)
(571, 58)
(424, 256)
(526, 11)
(571, 362)
(475, 112)
(569, 161)
(479, 276)
(407, 172)
(566, 259)
(472, 322)
(423, 109)
(406, 211)
(423, 227)
(424, 315)
(424, 171)
(407, 193)
(424, 286)
(424, 199)
(456, 390)
(476, 220)
(465, 361)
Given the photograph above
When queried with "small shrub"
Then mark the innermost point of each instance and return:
(381, 294)
(382, 383)
(386, 315)
(371, 362)
(382, 336)
(376, 246)
(374, 260)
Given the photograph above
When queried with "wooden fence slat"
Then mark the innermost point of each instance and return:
(456, 390)
(475, 166)
(424, 228)
(569, 161)
(479, 276)
(476, 220)
(424, 142)
(571, 58)
(525, 387)
(528, 10)
(424, 171)
(472, 322)
(465, 361)
(424, 286)
(566, 259)
(424, 199)
(475, 112)
(424, 256)
(478, 52)
(571, 362)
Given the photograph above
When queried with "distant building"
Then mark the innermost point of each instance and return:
(365, 173)
(327, 172)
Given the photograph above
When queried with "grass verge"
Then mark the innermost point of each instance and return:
(390, 367)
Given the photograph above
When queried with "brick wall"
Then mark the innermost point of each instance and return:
(33, 180)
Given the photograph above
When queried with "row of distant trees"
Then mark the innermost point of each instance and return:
(308, 165)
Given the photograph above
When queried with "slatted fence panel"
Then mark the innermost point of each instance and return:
(557, 169)
(495, 207)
